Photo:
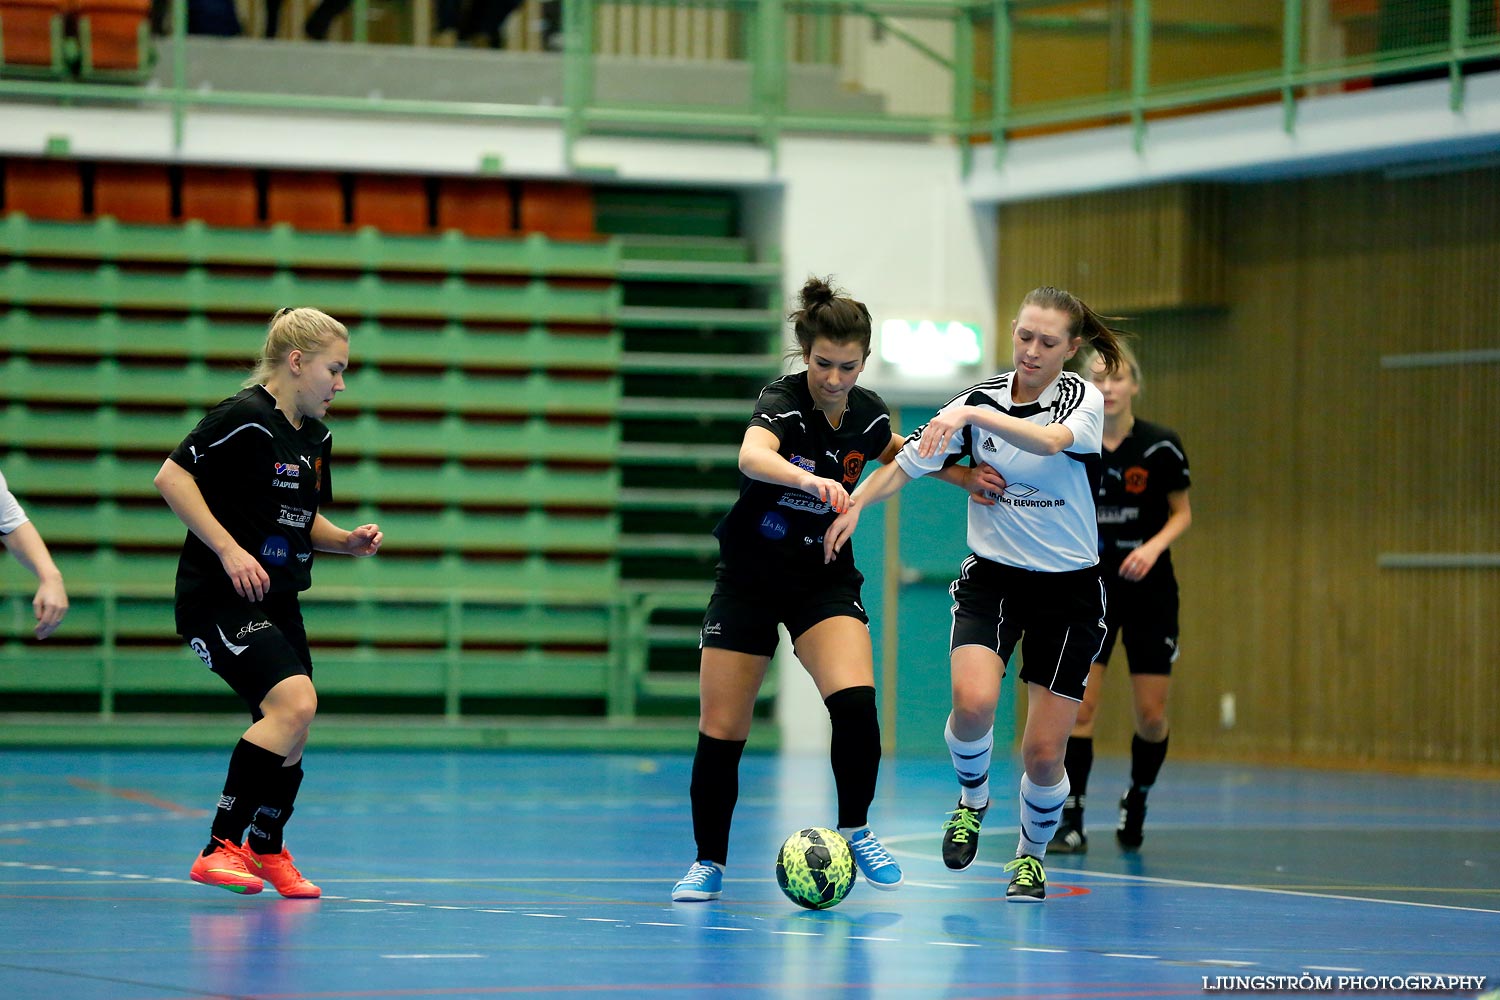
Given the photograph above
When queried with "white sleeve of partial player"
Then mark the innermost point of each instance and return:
(11, 514)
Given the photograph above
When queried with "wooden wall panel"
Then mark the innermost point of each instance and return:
(1310, 460)
(1146, 248)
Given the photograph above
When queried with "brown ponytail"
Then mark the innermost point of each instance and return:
(1084, 322)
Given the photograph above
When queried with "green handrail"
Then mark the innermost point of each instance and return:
(765, 114)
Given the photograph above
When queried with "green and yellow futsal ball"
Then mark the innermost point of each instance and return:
(815, 868)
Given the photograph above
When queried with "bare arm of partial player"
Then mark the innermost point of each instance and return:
(179, 488)
(51, 600)
(759, 459)
(364, 540)
(1140, 560)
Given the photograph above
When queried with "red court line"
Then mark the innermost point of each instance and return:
(133, 795)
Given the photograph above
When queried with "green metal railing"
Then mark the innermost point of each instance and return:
(992, 94)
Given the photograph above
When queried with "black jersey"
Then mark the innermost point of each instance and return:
(263, 479)
(1132, 496)
(776, 532)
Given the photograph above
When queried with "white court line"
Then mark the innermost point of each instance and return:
(954, 944)
(1121, 954)
(1186, 884)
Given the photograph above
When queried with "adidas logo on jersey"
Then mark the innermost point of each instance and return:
(989, 445)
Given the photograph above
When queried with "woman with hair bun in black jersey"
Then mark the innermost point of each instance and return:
(247, 482)
(808, 441)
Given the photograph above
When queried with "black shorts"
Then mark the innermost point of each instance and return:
(1058, 618)
(743, 614)
(253, 647)
(1145, 614)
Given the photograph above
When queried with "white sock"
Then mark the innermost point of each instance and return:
(849, 832)
(1041, 807)
(971, 762)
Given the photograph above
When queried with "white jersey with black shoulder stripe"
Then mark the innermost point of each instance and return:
(1044, 520)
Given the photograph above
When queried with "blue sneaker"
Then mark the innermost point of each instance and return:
(875, 862)
(704, 881)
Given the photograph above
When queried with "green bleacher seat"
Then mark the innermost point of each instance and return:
(500, 392)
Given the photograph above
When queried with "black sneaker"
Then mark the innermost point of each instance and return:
(1029, 883)
(961, 836)
(1069, 838)
(1132, 819)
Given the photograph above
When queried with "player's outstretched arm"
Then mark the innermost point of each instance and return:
(364, 540)
(760, 459)
(982, 482)
(878, 485)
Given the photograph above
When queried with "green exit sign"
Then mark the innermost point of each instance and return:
(930, 348)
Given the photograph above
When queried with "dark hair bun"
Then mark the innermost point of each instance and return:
(817, 292)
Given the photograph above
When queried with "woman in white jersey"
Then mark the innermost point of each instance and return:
(1033, 576)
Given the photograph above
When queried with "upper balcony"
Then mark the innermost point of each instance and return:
(1017, 86)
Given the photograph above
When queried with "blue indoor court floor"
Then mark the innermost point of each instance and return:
(510, 874)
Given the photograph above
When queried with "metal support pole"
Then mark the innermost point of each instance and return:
(1140, 70)
(1458, 41)
(963, 85)
(1291, 62)
(179, 72)
(578, 69)
(769, 69)
(1000, 77)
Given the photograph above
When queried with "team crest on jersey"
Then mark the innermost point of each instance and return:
(854, 464)
(1135, 479)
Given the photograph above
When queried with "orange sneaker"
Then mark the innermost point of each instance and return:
(225, 866)
(278, 870)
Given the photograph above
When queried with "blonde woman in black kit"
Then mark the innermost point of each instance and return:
(1142, 504)
(247, 482)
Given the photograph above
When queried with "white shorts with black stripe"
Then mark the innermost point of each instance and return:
(1058, 618)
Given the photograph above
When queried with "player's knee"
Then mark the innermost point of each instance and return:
(294, 709)
(1043, 760)
(971, 717)
(1151, 724)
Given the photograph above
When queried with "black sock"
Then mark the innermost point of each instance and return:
(1078, 759)
(252, 770)
(714, 790)
(275, 809)
(1145, 763)
(854, 752)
